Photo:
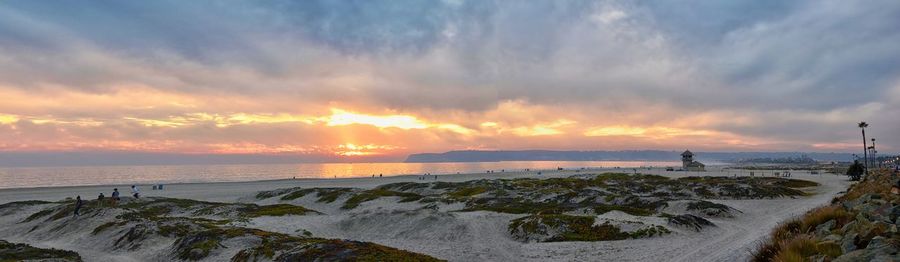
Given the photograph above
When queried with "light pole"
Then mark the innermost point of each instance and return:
(874, 157)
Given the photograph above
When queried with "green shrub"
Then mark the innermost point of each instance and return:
(377, 193)
(275, 210)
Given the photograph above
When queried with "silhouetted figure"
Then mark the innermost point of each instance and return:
(115, 196)
(100, 199)
(78, 204)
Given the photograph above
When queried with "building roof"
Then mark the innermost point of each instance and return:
(687, 153)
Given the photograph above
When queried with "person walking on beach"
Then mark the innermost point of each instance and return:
(115, 196)
(100, 199)
(135, 192)
(78, 204)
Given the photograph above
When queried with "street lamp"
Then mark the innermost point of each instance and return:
(874, 158)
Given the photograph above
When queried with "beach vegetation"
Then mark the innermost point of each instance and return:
(23, 252)
(376, 193)
(855, 171)
(850, 222)
(560, 227)
(297, 194)
(328, 195)
(39, 214)
(197, 245)
(108, 225)
(274, 210)
(197, 238)
(468, 192)
(267, 194)
(636, 211)
(18, 204)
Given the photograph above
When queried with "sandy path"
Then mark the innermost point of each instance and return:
(760, 216)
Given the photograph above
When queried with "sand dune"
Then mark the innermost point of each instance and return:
(464, 236)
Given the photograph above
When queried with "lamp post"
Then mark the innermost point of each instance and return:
(874, 158)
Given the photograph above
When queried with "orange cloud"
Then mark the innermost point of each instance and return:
(341, 117)
(350, 149)
(655, 132)
(139, 118)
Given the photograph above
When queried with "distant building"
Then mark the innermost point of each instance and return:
(688, 163)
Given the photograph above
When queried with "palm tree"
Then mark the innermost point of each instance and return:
(863, 125)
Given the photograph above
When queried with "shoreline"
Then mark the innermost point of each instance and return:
(240, 189)
(233, 191)
(41, 177)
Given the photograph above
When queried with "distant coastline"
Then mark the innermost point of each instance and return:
(631, 155)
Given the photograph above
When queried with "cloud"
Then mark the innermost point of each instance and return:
(441, 75)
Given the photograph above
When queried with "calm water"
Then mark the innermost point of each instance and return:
(104, 175)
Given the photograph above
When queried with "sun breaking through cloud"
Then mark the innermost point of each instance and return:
(275, 77)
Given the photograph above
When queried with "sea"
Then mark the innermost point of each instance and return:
(28, 177)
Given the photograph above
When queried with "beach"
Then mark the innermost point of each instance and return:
(467, 236)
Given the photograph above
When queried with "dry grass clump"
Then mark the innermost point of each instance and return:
(804, 246)
(818, 216)
(787, 230)
(788, 245)
(791, 240)
(878, 182)
(794, 239)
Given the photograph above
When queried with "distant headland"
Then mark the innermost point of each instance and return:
(625, 155)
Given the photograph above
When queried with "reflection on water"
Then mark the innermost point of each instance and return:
(101, 175)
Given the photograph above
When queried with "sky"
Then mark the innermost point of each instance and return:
(383, 79)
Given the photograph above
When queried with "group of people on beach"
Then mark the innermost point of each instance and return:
(114, 199)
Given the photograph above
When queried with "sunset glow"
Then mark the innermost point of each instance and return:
(615, 76)
(446, 130)
(341, 118)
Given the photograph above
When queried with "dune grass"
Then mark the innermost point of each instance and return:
(560, 227)
(635, 211)
(275, 210)
(22, 252)
(794, 240)
(377, 193)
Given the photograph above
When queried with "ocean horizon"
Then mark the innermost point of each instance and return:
(30, 177)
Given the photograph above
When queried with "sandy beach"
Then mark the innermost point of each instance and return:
(468, 236)
(235, 191)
